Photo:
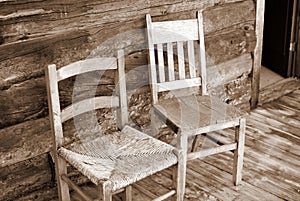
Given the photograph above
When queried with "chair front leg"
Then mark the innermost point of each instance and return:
(128, 193)
(61, 169)
(107, 195)
(239, 151)
(179, 174)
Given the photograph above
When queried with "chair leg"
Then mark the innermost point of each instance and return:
(239, 151)
(155, 123)
(63, 188)
(179, 172)
(198, 141)
(128, 192)
(107, 195)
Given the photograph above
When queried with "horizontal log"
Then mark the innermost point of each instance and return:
(91, 13)
(220, 17)
(24, 141)
(23, 47)
(22, 101)
(229, 43)
(25, 177)
(223, 73)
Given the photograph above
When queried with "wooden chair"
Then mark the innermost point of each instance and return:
(112, 161)
(177, 62)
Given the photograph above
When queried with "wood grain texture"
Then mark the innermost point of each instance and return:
(259, 27)
(64, 32)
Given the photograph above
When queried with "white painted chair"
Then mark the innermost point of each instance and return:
(112, 161)
(178, 63)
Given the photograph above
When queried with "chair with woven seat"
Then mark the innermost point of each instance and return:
(111, 160)
(177, 63)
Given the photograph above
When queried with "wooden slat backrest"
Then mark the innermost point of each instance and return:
(85, 66)
(53, 76)
(179, 38)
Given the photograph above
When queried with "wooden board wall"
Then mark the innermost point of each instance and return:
(36, 33)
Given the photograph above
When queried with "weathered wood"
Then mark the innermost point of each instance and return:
(191, 57)
(24, 141)
(277, 90)
(120, 80)
(178, 84)
(85, 66)
(32, 138)
(214, 18)
(17, 102)
(222, 73)
(206, 152)
(76, 188)
(271, 163)
(202, 54)
(67, 14)
(88, 105)
(12, 50)
(221, 182)
(63, 32)
(259, 27)
(80, 54)
(27, 177)
(27, 100)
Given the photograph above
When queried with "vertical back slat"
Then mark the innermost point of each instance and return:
(161, 65)
(152, 68)
(180, 53)
(202, 53)
(191, 55)
(120, 80)
(170, 62)
(54, 107)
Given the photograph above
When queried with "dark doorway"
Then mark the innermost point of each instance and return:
(277, 35)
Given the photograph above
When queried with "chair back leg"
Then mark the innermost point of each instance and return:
(239, 152)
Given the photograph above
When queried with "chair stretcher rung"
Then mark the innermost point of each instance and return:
(144, 191)
(211, 151)
(152, 195)
(165, 196)
(76, 188)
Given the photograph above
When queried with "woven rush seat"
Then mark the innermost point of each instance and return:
(119, 159)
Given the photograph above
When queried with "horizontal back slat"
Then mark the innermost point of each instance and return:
(179, 84)
(85, 66)
(89, 105)
(173, 31)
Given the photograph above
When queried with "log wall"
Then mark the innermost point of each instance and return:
(35, 33)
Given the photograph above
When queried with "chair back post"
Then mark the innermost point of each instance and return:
(120, 80)
(54, 106)
(152, 69)
(202, 53)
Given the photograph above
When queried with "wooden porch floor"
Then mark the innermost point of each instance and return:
(271, 164)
